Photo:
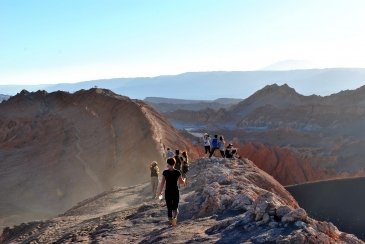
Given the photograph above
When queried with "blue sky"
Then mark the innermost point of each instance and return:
(75, 40)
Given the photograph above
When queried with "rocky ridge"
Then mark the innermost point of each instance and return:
(226, 201)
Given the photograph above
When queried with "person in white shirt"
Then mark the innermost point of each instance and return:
(169, 153)
(206, 141)
(222, 147)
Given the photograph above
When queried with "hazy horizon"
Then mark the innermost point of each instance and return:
(213, 85)
(73, 41)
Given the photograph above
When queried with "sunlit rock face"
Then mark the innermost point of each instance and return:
(57, 149)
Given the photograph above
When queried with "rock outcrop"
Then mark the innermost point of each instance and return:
(226, 201)
(285, 165)
(57, 149)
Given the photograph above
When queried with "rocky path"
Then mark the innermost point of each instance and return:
(226, 202)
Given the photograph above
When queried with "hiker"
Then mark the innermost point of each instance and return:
(154, 178)
(185, 164)
(169, 153)
(231, 152)
(170, 177)
(178, 160)
(206, 141)
(222, 146)
(214, 145)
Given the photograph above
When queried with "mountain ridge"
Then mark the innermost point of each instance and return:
(215, 84)
(323, 130)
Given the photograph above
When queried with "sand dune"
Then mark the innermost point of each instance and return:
(338, 201)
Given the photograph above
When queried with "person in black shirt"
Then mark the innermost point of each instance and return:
(170, 178)
(178, 160)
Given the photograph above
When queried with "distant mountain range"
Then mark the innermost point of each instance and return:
(212, 85)
(3, 97)
(290, 65)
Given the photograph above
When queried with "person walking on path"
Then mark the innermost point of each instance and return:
(222, 147)
(206, 141)
(185, 165)
(178, 160)
(154, 178)
(170, 178)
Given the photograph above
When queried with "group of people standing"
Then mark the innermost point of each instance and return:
(177, 168)
(210, 145)
(175, 173)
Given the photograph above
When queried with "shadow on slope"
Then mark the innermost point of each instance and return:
(338, 201)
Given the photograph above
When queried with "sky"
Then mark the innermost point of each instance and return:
(76, 40)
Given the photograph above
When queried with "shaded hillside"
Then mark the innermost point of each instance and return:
(283, 164)
(227, 101)
(338, 201)
(59, 148)
(169, 105)
(225, 202)
(328, 132)
(282, 107)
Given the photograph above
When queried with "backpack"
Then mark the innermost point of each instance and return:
(215, 143)
(178, 160)
(154, 171)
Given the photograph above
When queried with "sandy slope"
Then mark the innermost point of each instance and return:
(57, 149)
(339, 201)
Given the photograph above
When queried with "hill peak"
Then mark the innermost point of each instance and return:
(284, 89)
(41, 95)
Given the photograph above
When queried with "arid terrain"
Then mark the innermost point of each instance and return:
(57, 149)
(226, 201)
(312, 137)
